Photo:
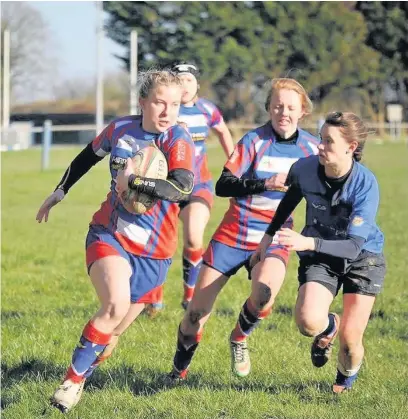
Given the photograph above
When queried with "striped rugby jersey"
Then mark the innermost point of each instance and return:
(154, 233)
(259, 156)
(199, 119)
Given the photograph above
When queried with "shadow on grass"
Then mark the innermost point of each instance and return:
(27, 370)
(196, 381)
(8, 315)
(284, 309)
(145, 382)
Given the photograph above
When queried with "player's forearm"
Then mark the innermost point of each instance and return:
(346, 249)
(226, 142)
(285, 208)
(229, 185)
(176, 188)
(78, 167)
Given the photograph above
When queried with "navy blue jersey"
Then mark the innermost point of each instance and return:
(351, 211)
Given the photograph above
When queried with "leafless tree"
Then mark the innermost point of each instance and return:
(33, 68)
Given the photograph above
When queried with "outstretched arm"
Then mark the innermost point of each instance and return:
(225, 138)
(229, 185)
(363, 215)
(78, 167)
(287, 205)
(349, 248)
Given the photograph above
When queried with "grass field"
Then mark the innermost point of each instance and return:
(47, 298)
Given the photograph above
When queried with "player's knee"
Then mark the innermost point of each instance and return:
(194, 243)
(308, 325)
(351, 345)
(351, 349)
(195, 316)
(262, 297)
(115, 311)
(194, 320)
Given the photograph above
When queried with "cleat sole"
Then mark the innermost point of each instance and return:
(63, 409)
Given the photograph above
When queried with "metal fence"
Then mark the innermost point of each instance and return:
(22, 135)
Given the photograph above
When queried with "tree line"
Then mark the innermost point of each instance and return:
(349, 53)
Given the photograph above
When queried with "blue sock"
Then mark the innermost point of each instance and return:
(85, 355)
(192, 261)
(90, 346)
(331, 327)
(343, 380)
(248, 319)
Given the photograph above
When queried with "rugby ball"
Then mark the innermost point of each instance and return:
(148, 162)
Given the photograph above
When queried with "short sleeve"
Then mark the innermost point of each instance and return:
(102, 144)
(364, 209)
(179, 149)
(211, 112)
(241, 159)
(216, 117)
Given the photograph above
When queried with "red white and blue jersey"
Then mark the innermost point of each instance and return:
(154, 233)
(199, 119)
(259, 156)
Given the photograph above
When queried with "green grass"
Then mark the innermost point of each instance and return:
(47, 298)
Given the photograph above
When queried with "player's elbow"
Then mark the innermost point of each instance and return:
(183, 197)
(183, 184)
(187, 185)
(354, 249)
(220, 189)
(186, 191)
(353, 253)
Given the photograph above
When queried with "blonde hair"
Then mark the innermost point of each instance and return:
(351, 127)
(290, 84)
(152, 78)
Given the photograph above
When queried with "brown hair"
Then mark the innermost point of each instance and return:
(351, 127)
(290, 84)
(152, 78)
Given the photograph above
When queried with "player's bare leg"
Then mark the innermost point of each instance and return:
(267, 279)
(209, 285)
(110, 277)
(314, 320)
(356, 313)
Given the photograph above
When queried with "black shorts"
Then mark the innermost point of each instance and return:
(365, 275)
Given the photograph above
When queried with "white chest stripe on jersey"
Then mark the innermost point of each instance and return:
(133, 232)
(198, 120)
(275, 164)
(124, 145)
(264, 203)
(255, 236)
